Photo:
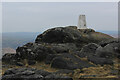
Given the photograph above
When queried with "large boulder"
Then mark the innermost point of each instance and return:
(34, 51)
(39, 51)
(45, 51)
(25, 52)
(114, 40)
(69, 61)
(59, 35)
(88, 49)
(109, 49)
(71, 35)
(10, 58)
(60, 63)
(100, 61)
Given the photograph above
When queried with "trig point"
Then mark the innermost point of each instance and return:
(82, 22)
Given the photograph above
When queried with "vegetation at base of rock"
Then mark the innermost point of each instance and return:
(91, 72)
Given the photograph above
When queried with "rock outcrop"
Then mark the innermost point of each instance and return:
(30, 74)
(71, 35)
(63, 48)
(68, 61)
(88, 50)
(60, 40)
(59, 35)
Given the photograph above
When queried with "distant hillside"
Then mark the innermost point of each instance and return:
(8, 50)
(15, 39)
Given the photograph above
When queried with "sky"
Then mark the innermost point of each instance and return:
(40, 16)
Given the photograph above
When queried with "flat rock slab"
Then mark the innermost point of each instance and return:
(69, 61)
(30, 74)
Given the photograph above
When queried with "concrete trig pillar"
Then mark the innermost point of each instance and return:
(82, 22)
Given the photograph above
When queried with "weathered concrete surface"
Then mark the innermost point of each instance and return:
(82, 22)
